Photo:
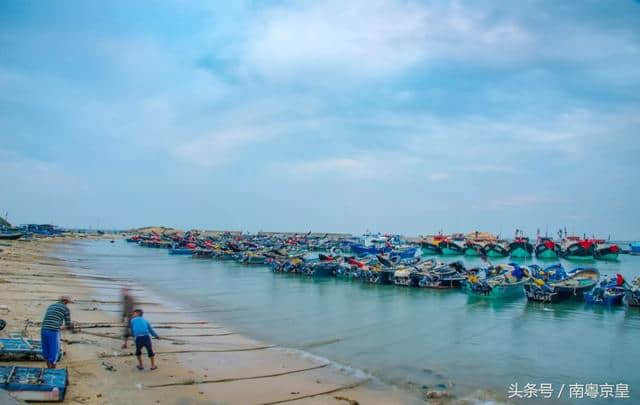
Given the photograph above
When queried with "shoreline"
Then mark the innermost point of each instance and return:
(195, 365)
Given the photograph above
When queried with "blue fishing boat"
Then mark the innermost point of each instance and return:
(202, 254)
(553, 284)
(442, 276)
(634, 248)
(181, 251)
(609, 292)
(34, 384)
(632, 294)
(404, 254)
(503, 281)
(253, 258)
(10, 235)
(362, 250)
(20, 348)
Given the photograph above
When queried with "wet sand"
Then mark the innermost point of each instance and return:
(199, 362)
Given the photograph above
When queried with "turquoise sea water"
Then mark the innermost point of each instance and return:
(407, 337)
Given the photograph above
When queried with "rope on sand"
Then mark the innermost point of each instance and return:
(83, 325)
(222, 380)
(170, 338)
(242, 349)
(345, 387)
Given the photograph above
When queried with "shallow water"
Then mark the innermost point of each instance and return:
(410, 338)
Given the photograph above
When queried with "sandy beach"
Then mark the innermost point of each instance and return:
(199, 362)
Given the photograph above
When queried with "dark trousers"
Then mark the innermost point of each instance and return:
(144, 341)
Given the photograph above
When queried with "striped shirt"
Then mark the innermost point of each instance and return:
(56, 314)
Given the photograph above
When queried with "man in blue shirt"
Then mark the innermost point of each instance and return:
(142, 331)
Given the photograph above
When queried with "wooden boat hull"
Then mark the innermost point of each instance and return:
(501, 291)
(378, 277)
(34, 384)
(575, 286)
(632, 297)
(20, 348)
(607, 253)
(429, 249)
(451, 249)
(534, 293)
(495, 250)
(546, 254)
(609, 300)
(10, 236)
(473, 250)
(579, 251)
(520, 250)
(254, 260)
(202, 254)
(180, 251)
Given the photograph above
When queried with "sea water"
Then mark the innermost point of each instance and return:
(409, 338)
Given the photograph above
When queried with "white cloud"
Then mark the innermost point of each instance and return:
(21, 174)
(438, 176)
(520, 201)
(217, 148)
(373, 38)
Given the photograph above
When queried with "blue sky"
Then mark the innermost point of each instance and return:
(391, 115)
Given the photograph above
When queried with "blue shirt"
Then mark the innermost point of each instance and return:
(140, 327)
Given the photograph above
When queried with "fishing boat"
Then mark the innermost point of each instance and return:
(472, 248)
(10, 235)
(578, 250)
(253, 258)
(451, 248)
(181, 251)
(503, 281)
(402, 277)
(377, 275)
(520, 248)
(20, 349)
(186, 249)
(362, 250)
(547, 249)
(34, 383)
(495, 249)
(133, 239)
(606, 251)
(632, 295)
(159, 244)
(553, 284)
(634, 248)
(406, 253)
(442, 276)
(430, 248)
(202, 254)
(431, 245)
(609, 292)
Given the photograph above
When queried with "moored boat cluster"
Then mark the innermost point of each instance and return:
(545, 248)
(394, 260)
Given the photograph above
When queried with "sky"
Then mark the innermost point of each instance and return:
(385, 115)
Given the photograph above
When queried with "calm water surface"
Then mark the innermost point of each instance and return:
(408, 337)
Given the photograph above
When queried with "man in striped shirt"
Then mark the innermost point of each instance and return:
(57, 314)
